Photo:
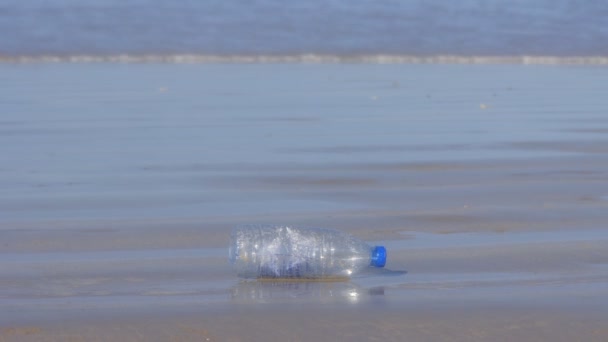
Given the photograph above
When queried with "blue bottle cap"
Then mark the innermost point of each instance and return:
(378, 256)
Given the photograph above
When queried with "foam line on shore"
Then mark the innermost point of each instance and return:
(306, 59)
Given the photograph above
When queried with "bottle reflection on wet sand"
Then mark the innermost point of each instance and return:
(301, 291)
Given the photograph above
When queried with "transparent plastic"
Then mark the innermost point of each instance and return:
(275, 251)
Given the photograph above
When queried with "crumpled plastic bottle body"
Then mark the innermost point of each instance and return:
(274, 251)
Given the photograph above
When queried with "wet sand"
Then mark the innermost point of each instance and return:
(120, 183)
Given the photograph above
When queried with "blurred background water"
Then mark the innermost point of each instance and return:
(338, 28)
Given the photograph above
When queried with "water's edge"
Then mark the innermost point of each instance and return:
(309, 58)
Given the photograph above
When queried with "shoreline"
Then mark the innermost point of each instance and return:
(306, 58)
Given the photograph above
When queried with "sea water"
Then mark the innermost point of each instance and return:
(310, 31)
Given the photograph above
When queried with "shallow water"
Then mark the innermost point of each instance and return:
(476, 239)
(124, 142)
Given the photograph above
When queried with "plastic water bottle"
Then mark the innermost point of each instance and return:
(274, 251)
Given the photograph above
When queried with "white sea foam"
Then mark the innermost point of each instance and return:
(310, 59)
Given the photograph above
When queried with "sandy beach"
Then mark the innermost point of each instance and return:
(488, 184)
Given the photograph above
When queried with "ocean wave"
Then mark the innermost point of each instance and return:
(308, 59)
